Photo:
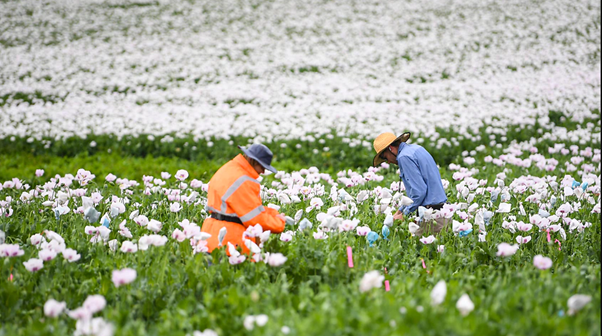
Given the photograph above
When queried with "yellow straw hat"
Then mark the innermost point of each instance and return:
(383, 141)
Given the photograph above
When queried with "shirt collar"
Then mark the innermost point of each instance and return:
(401, 147)
(241, 161)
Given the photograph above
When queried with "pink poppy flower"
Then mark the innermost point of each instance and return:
(71, 255)
(123, 277)
(36, 239)
(523, 226)
(175, 207)
(276, 259)
(80, 313)
(427, 240)
(523, 240)
(315, 203)
(178, 235)
(147, 240)
(362, 230)
(564, 210)
(91, 230)
(196, 184)
(181, 175)
(320, 235)
(95, 303)
(33, 264)
(541, 262)
(154, 225)
(264, 236)
(53, 308)
(235, 260)
(141, 220)
(96, 197)
(129, 247)
(10, 250)
(253, 231)
(348, 225)
(124, 231)
(200, 247)
(286, 236)
(463, 215)
(506, 250)
(46, 254)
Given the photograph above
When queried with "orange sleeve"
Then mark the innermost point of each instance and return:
(247, 205)
(273, 223)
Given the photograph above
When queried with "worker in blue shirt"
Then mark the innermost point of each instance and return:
(420, 176)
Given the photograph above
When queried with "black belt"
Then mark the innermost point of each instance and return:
(231, 219)
(435, 206)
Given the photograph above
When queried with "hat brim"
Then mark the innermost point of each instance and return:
(377, 160)
(263, 164)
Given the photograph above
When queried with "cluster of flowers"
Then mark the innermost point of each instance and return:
(465, 306)
(249, 237)
(467, 63)
(559, 203)
(48, 250)
(307, 185)
(86, 324)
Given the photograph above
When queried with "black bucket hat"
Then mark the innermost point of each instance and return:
(260, 153)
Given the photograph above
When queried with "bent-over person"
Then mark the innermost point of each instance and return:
(234, 202)
(420, 176)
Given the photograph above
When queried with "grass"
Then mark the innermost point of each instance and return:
(101, 164)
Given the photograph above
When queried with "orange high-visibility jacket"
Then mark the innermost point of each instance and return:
(234, 190)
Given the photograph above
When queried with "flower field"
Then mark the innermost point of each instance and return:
(114, 114)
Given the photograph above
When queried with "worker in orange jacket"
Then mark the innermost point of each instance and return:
(233, 199)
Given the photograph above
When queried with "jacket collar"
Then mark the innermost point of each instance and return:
(241, 161)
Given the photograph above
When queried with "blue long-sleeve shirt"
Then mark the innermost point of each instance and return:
(420, 176)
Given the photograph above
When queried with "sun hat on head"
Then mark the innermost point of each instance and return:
(260, 153)
(385, 140)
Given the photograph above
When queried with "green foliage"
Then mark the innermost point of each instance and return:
(108, 153)
(24, 165)
(314, 293)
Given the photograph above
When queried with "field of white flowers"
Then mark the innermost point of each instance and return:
(115, 113)
(286, 69)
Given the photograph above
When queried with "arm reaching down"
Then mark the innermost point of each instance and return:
(414, 183)
(247, 205)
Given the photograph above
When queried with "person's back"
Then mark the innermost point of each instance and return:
(225, 178)
(420, 176)
(428, 171)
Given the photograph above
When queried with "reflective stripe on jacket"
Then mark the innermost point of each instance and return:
(234, 191)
